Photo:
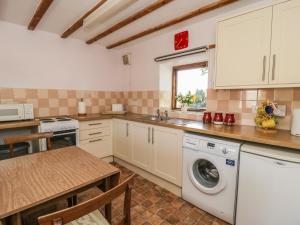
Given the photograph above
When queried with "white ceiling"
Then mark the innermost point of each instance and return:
(63, 13)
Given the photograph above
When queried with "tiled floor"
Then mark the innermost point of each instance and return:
(153, 205)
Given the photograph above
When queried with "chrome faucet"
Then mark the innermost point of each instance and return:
(158, 114)
(166, 115)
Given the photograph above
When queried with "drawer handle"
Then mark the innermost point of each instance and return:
(95, 140)
(190, 143)
(95, 133)
(94, 124)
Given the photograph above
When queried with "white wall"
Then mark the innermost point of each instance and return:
(37, 59)
(144, 72)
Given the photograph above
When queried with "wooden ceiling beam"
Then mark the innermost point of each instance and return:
(39, 13)
(156, 5)
(79, 22)
(197, 12)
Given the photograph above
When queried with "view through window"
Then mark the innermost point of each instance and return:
(190, 83)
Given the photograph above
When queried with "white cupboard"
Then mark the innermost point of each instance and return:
(155, 149)
(243, 49)
(285, 50)
(95, 137)
(121, 137)
(141, 146)
(260, 48)
(167, 150)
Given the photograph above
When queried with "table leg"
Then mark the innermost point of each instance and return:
(16, 219)
(110, 183)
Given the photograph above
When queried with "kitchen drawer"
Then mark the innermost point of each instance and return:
(86, 125)
(99, 147)
(94, 133)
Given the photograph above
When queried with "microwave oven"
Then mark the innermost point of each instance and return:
(12, 112)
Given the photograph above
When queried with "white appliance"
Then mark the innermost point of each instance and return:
(295, 130)
(210, 174)
(268, 187)
(117, 107)
(65, 132)
(12, 112)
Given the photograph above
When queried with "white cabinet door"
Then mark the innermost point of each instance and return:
(99, 147)
(167, 148)
(285, 52)
(141, 146)
(243, 50)
(121, 131)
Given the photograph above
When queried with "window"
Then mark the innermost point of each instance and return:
(193, 79)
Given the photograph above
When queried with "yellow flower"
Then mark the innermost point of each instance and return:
(194, 98)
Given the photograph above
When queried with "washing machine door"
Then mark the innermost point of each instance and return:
(206, 175)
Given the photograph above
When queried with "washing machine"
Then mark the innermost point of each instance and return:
(210, 174)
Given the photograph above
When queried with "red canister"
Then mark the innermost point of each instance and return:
(207, 118)
(218, 118)
(229, 119)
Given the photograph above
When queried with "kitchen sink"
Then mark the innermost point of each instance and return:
(152, 118)
(181, 122)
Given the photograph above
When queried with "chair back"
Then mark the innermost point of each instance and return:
(70, 214)
(11, 140)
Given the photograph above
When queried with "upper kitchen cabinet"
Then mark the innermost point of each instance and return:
(285, 51)
(243, 49)
(260, 48)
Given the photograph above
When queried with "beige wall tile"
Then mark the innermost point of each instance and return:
(53, 102)
(223, 94)
(6, 93)
(223, 106)
(249, 95)
(283, 94)
(247, 106)
(296, 95)
(235, 106)
(265, 94)
(236, 94)
(19, 93)
(42, 93)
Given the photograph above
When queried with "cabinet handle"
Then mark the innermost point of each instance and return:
(152, 135)
(95, 140)
(148, 134)
(94, 124)
(95, 133)
(264, 68)
(274, 67)
(127, 131)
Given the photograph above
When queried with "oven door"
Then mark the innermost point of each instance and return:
(11, 112)
(63, 139)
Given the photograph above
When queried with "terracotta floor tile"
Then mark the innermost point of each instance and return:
(153, 205)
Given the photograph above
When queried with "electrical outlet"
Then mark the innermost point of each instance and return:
(281, 112)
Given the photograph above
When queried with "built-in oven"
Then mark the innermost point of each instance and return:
(62, 139)
(65, 132)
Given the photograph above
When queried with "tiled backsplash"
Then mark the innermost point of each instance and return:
(50, 102)
(61, 102)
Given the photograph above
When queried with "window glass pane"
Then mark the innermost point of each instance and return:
(195, 81)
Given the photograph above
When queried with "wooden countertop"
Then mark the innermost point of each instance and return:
(33, 179)
(281, 138)
(19, 124)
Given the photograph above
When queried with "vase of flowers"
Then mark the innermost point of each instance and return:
(186, 100)
(265, 118)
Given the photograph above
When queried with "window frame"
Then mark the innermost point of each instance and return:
(174, 82)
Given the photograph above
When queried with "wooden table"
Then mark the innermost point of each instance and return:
(32, 180)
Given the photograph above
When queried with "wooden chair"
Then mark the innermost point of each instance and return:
(87, 213)
(11, 140)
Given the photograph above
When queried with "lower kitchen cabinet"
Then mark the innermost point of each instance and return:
(142, 154)
(167, 145)
(121, 139)
(100, 147)
(155, 149)
(95, 137)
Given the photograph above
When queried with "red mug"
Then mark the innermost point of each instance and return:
(207, 117)
(218, 118)
(229, 119)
